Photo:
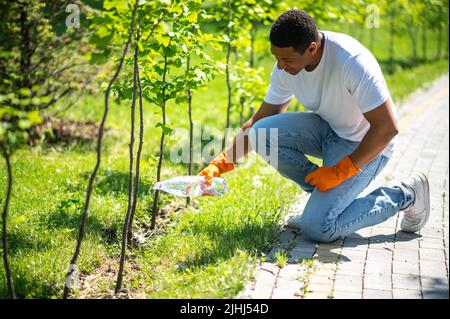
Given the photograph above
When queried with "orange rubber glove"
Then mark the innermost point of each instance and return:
(216, 167)
(327, 177)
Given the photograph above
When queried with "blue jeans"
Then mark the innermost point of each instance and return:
(339, 211)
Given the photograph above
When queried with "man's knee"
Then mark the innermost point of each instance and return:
(261, 134)
(314, 228)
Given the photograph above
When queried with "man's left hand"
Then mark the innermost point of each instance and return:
(327, 177)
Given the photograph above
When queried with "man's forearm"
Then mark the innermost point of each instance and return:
(240, 145)
(371, 145)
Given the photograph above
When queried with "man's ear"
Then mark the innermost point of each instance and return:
(312, 48)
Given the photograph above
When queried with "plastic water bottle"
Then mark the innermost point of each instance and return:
(191, 186)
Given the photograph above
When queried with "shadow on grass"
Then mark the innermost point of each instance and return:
(78, 147)
(250, 237)
(113, 183)
(55, 227)
(34, 285)
(396, 64)
(46, 239)
(116, 183)
(63, 221)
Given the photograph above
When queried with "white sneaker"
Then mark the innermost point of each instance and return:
(416, 215)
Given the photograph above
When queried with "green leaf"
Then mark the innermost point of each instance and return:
(36, 101)
(98, 58)
(24, 124)
(119, 5)
(167, 130)
(34, 117)
(192, 17)
(176, 9)
(162, 39)
(24, 92)
(100, 42)
(103, 31)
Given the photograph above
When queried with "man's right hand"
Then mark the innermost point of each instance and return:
(221, 164)
(216, 167)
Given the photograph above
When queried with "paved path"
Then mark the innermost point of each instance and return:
(379, 261)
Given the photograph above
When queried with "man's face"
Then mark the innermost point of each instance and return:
(290, 60)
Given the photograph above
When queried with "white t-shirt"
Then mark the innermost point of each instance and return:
(347, 83)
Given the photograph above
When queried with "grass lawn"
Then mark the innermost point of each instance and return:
(199, 252)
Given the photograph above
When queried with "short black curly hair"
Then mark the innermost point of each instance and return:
(294, 28)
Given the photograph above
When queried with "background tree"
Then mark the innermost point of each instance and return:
(247, 86)
(239, 20)
(164, 76)
(117, 32)
(38, 67)
(36, 61)
(200, 73)
(433, 21)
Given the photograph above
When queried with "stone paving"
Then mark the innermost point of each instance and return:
(379, 262)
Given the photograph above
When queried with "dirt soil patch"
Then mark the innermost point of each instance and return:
(55, 130)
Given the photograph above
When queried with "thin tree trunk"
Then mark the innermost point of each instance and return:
(191, 125)
(372, 39)
(241, 112)
(26, 50)
(391, 42)
(439, 41)
(362, 32)
(161, 148)
(141, 135)
(447, 47)
(228, 73)
(9, 280)
(25, 45)
(350, 29)
(242, 100)
(424, 43)
(412, 35)
(130, 182)
(141, 143)
(252, 43)
(253, 33)
(84, 215)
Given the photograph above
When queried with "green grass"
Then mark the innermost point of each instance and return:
(217, 239)
(281, 258)
(308, 266)
(204, 251)
(404, 81)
